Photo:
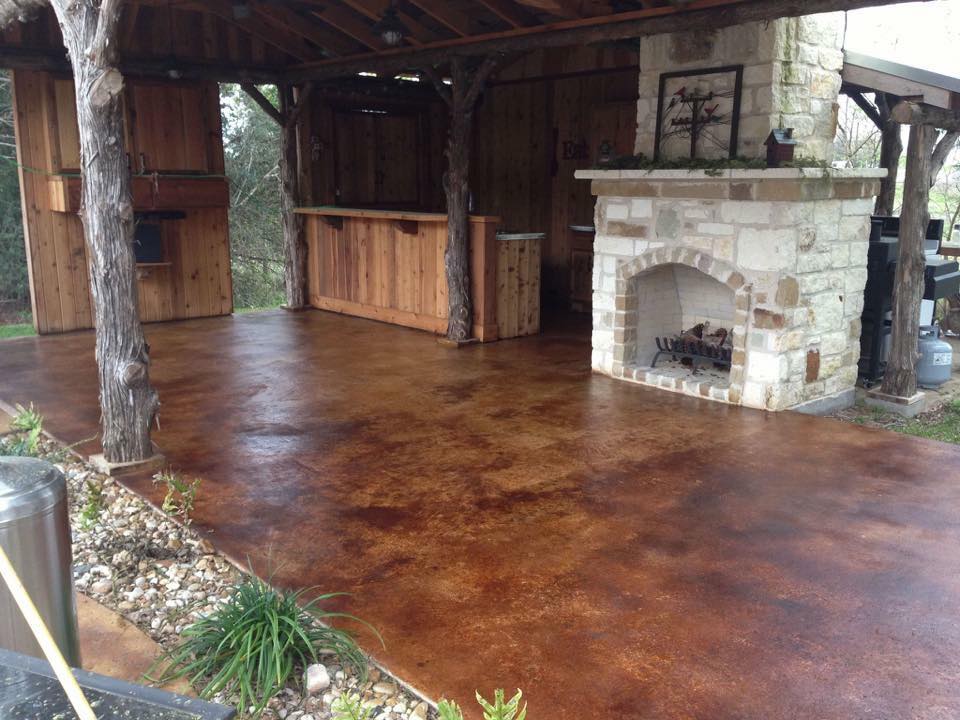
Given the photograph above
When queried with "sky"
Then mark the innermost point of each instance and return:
(921, 34)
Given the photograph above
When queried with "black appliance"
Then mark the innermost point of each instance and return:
(942, 279)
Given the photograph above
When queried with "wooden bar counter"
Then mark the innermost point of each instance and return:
(388, 265)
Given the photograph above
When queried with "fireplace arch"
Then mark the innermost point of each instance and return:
(666, 290)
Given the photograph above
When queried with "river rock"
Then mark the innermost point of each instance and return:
(316, 679)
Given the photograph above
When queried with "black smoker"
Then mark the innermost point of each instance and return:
(942, 279)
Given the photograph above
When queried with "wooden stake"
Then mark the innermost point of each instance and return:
(50, 650)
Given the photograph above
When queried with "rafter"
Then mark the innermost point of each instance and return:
(447, 16)
(349, 23)
(510, 12)
(268, 32)
(700, 15)
(293, 22)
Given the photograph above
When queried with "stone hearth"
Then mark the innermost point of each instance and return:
(779, 256)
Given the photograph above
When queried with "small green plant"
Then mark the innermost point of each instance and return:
(27, 423)
(449, 710)
(349, 707)
(94, 506)
(181, 495)
(253, 645)
(499, 709)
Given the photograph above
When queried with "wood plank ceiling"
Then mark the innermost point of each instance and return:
(317, 30)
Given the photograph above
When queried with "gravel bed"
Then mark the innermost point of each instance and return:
(161, 576)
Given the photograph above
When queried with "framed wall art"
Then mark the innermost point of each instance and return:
(698, 113)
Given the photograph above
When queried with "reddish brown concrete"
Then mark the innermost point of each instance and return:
(507, 519)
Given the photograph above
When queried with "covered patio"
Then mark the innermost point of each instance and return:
(506, 518)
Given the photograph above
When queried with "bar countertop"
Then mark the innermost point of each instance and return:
(406, 215)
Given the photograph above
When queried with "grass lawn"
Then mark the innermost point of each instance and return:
(12, 331)
(943, 425)
(246, 310)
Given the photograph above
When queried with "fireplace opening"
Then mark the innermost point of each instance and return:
(684, 330)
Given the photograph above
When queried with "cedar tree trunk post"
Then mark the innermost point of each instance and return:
(924, 155)
(461, 97)
(900, 378)
(891, 148)
(294, 252)
(127, 400)
(294, 248)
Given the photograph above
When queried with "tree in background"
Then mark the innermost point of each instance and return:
(945, 195)
(251, 143)
(857, 144)
(14, 284)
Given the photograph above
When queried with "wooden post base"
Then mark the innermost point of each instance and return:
(447, 342)
(102, 465)
(908, 407)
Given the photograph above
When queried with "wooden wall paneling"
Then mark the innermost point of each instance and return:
(68, 133)
(173, 250)
(428, 269)
(531, 326)
(503, 289)
(194, 130)
(31, 149)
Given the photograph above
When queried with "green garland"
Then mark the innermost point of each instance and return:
(712, 167)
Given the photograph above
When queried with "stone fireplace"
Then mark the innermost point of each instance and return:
(777, 257)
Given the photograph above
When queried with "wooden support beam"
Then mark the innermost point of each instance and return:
(461, 97)
(260, 99)
(128, 402)
(900, 376)
(910, 113)
(868, 108)
(703, 15)
(18, 58)
(294, 247)
(891, 148)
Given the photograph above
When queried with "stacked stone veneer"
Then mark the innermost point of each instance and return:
(791, 78)
(790, 246)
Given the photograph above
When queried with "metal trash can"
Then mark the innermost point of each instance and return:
(35, 533)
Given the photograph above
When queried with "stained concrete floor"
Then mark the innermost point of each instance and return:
(508, 519)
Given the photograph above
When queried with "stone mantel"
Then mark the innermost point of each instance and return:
(774, 184)
(793, 173)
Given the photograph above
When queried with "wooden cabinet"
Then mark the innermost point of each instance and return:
(518, 285)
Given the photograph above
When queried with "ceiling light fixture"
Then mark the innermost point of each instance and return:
(389, 27)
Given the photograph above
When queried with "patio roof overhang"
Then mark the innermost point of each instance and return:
(302, 40)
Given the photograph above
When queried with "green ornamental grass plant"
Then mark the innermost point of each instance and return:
(251, 647)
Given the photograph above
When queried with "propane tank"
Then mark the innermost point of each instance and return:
(936, 358)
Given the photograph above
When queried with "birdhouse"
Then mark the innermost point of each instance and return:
(780, 145)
